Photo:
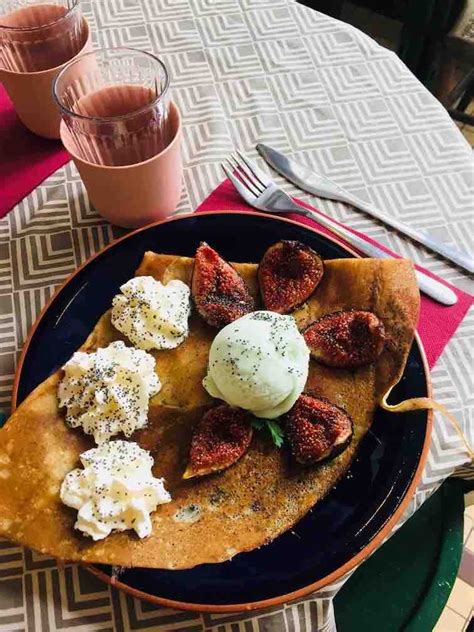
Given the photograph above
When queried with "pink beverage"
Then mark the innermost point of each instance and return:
(114, 103)
(39, 36)
(127, 130)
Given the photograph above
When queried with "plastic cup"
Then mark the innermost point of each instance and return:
(138, 194)
(31, 93)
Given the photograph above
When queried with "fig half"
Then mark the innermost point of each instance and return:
(220, 438)
(219, 292)
(288, 274)
(346, 339)
(317, 430)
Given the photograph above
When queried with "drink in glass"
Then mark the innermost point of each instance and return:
(114, 103)
(36, 35)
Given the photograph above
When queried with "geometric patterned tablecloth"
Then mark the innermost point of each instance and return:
(244, 71)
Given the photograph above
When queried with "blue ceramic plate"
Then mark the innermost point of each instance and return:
(343, 528)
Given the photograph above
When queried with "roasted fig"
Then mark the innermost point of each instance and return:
(288, 274)
(317, 430)
(219, 292)
(220, 438)
(347, 339)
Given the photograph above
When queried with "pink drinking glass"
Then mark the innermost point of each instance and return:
(114, 102)
(37, 35)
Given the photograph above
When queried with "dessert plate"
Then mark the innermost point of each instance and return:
(343, 528)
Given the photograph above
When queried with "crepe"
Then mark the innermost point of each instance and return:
(213, 518)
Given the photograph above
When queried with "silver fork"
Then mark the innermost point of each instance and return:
(261, 192)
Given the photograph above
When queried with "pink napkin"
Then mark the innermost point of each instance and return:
(437, 322)
(25, 159)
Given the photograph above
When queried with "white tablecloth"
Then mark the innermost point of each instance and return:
(244, 71)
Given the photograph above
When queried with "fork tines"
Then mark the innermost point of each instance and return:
(247, 172)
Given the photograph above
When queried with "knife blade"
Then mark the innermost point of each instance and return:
(307, 180)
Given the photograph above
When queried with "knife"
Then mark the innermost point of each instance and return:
(316, 184)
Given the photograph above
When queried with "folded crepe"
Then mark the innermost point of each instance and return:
(210, 519)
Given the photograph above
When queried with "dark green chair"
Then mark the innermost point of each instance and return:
(406, 583)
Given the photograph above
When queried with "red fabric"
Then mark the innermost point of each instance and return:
(437, 322)
(25, 159)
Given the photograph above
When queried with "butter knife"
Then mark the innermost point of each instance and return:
(316, 184)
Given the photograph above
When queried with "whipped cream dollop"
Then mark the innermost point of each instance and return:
(108, 391)
(260, 363)
(152, 315)
(114, 491)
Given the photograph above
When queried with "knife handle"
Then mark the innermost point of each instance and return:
(438, 291)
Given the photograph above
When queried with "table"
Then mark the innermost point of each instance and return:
(244, 71)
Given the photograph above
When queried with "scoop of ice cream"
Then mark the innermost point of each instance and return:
(260, 363)
(152, 315)
(114, 491)
(108, 391)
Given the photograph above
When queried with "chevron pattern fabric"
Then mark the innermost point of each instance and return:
(244, 71)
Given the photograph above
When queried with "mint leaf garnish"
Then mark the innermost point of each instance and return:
(276, 432)
(273, 427)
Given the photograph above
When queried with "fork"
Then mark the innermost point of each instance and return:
(261, 192)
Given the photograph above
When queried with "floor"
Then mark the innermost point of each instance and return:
(383, 29)
(459, 610)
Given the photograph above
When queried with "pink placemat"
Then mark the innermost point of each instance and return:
(25, 159)
(437, 322)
